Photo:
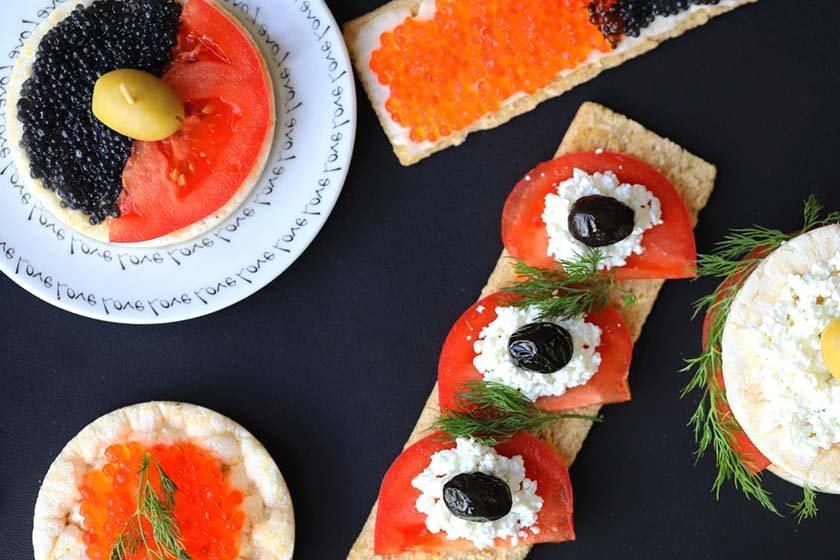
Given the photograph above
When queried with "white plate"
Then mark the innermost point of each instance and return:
(316, 129)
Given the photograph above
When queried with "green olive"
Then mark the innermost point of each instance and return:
(138, 105)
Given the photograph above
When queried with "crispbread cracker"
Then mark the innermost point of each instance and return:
(628, 48)
(593, 127)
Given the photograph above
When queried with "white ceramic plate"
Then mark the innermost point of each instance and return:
(316, 129)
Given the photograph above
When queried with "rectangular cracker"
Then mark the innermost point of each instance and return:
(593, 127)
(661, 30)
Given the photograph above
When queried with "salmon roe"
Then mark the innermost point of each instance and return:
(207, 507)
(446, 72)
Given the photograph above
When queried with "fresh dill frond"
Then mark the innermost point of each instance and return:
(806, 508)
(156, 511)
(575, 289)
(733, 260)
(491, 413)
(732, 253)
(122, 549)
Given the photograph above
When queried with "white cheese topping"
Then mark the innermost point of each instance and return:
(804, 398)
(469, 457)
(561, 244)
(494, 362)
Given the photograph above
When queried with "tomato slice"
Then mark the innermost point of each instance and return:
(749, 454)
(608, 385)
(669, 248)
(219, 74)
(401, 528)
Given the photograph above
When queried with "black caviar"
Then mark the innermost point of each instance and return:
(69, 149)
(618, 18)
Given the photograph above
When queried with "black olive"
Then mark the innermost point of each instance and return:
(541, 347)
(477, 497)
(598, 220)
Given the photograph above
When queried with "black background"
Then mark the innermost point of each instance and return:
(330, 365)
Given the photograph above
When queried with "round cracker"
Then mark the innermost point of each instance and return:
(269, 530)
(78, 221)
(742, 363)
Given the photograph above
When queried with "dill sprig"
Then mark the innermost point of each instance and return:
(158, 513)
(491, 413)
(806, 508)
(575, 289)
(733, 260)
(731, 255)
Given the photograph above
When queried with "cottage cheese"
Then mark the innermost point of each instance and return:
(561, 244)
(804, 398)
(494, 362)
(468, 457)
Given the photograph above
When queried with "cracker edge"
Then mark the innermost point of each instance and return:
(562, 84)
(593, 127)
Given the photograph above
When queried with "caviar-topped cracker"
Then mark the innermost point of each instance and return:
(141, 121)
(163, 480)
(436, 70)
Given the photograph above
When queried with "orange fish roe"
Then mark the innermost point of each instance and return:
(446, 72)
(207, 508)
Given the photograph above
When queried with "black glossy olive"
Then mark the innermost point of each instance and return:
(597, 220)
(477, 497)
(541, 347)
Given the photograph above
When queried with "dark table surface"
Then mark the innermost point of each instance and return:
(330, 365)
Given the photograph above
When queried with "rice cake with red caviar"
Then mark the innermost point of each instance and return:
(62, 512)
(102, 231)
(594, 127)
(363, 37)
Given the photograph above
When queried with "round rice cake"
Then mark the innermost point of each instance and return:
(76, 220)
(268, 529)
(748, 361)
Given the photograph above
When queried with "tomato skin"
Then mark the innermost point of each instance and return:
(401, 528)
(223, 80)
(749, 454)
(669, 248)
(608, 385)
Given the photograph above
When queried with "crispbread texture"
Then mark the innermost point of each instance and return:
(651, 37)
(593, 127)
(269, 530)
(74, 219)
(743, 365)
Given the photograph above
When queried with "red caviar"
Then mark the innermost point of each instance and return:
(207, 507)
(446, 72)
